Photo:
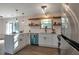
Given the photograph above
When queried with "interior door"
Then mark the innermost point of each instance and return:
(34, 38)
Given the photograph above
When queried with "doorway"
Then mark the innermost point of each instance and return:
(34, 39)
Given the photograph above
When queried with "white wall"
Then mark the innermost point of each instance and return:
(24, 26)
(38, 29)
(72, 28)
(73, 18)
(2, 27)
(66, 28)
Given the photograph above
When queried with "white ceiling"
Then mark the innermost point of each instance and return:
(29, 9)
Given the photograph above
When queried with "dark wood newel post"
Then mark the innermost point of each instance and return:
(59, 44)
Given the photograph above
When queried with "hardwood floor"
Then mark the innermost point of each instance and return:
(37, 50)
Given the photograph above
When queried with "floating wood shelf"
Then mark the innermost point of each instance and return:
(39, 18)
(34, 24)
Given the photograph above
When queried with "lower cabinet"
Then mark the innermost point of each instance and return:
(14, 43)
(48, 40)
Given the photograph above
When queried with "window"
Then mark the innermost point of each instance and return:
(64, 22)
(46, 23)
(12, 27)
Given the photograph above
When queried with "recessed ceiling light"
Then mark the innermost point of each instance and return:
(22, 13)
(16, 9)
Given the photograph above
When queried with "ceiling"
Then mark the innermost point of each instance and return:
(29, 9)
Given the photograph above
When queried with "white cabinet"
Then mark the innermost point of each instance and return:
(42, 40)
(14, 43)
(9, 42)
(48, 40)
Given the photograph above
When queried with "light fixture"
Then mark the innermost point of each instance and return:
(44, 9)
(23, 17)
(16, 15)
(22, 13)
(16, 9)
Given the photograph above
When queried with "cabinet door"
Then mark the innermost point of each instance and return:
(42, 40)
(22, 40)
(16, 42)
(54, 41)
(48, 40)
(19, 42)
